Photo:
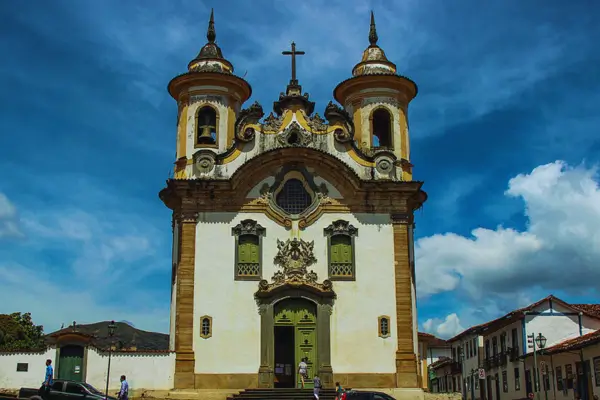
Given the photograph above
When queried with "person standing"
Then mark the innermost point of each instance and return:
(317, 386)
(124, 392)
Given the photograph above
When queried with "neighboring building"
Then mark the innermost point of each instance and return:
(431, 349)
(76, 355)
(499, 347)
(563, 377)
(311, 219)
(444, 376)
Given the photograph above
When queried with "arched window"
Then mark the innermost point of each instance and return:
(293, 197)
(340, 237)
(382, 129)
(248, 235)
(383, 323)
(205, 327)
(206, 126)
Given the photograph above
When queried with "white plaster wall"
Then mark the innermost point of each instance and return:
(355, 344)
(151, 371)
(33, 378)
(435, 353)
(556, 328)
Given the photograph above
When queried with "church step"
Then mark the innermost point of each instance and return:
(282, 394)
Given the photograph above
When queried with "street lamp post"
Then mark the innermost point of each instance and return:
(540, 341)
(111, 333)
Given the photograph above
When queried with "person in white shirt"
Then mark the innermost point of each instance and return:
(303, 370)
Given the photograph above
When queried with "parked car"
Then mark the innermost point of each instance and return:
(66, 390)
(360, 395)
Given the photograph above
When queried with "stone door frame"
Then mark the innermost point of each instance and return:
(266, 304)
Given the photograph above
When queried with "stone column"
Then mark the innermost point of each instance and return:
(184, 303)
(325, 370)
(406, 361)
(267, 346)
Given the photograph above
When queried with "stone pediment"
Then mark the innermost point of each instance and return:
(294, 257)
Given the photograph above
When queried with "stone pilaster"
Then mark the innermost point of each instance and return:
(406, 361)
(184, 303)
(267, 358)
(325, 370)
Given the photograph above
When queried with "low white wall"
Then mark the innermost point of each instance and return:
(151, 371)
(10, 379)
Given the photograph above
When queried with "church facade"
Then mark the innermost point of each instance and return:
(292, 232)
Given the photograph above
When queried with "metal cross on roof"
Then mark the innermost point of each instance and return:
(293, 53)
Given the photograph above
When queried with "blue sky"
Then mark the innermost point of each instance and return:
(504, 133)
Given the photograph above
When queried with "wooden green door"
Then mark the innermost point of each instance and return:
(301, 315)
(70, 365)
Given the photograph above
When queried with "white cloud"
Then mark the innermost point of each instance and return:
(445, 329)
(8, 218)
(87, 263)
(559, 249)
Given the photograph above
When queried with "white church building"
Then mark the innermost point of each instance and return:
(292, 235)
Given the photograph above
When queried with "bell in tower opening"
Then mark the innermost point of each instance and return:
(206, 132)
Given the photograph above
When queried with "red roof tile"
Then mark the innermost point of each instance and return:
(575, 343)
(591, 309)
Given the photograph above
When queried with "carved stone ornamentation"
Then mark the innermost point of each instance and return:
(294, 256)
(385, 163)
(342, 135)
(204, 161)
(208, 98)
(250, 115)
(317, 123)
(381, 100)
(295, 136)
(248, 227)
(272, 123)
(341, 227)
(337, 115)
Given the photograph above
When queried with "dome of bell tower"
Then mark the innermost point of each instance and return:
(374, 61)
(210, 58)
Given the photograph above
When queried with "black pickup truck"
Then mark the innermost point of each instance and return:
(65, 390)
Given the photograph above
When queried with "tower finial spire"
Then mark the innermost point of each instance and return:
(373, 31)
(211, 34)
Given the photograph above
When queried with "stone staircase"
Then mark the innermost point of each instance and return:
(282, 394)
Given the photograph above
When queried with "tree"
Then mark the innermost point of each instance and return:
(18, 333)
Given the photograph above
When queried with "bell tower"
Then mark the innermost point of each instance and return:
(377, 98)
(209, 97)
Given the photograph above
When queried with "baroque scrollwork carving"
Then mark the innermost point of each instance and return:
(294, 257)
(341, 227)
(295, 136)
(247, 116)
(204, 161)
(317, 123)
(272, 123)
(248, 227)
(338, 116)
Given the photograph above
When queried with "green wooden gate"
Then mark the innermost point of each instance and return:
(70, 364)
(301, 314)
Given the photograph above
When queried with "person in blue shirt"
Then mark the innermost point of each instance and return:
(48, 379)
(124, 392)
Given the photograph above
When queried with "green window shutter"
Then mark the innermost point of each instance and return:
(341, 249)
(248, 249)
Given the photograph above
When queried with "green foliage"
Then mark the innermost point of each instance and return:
(18, 333)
